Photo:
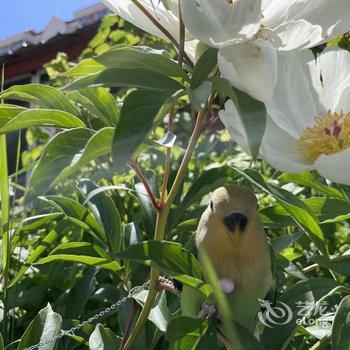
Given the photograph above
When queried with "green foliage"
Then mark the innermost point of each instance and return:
(46, 325)
(86, 230)
(341, 326)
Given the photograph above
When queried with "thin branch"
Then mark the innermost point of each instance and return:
(161, 222)
(182, 38)
(167, 159)
(189, 151)
(128, 325)
(313, 267)
(132, 164)
(223, 339)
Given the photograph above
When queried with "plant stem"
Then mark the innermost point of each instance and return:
(159, 234)
(162, 217)
(182, 38)
(133, 165)
(333, 259)
(5, 217)
(167, 160)
(188, 154)
(129, 324)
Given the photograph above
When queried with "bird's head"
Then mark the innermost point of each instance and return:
(230, 214)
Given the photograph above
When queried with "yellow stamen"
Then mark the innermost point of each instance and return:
(329, 135)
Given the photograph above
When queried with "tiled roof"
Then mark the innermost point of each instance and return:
(55, 27)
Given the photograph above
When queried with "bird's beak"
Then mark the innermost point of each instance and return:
(235, 222)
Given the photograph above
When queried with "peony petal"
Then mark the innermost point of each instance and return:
(334, 67)
(276, 12)
(316, 21)
(191, 49)
(233, 124)
(311, 69)
(281, 150)
(295, 35)
(292, 107)
(250, 67)
(129, 11)
(343, 104)
(335, 167)
(333, 16)
(218, 23)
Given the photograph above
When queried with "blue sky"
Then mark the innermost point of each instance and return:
(16, 16)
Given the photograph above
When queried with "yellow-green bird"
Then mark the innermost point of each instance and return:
(232, 235)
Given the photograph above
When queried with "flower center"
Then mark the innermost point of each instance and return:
(329, 135)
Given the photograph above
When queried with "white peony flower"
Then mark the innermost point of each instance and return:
(220, 23)
(285, 25)
(308, 122)
(167, 17)
(165, 12)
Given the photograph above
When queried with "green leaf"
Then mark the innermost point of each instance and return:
(139, 110)
(35, 222)
(98, 145)
(148, 210)
(103, 339)
(192, 333)
(160, 314)
(42, 95)
(8, 112)
(85, 67)
(341, 265)
(136, 57)
(81, 252)
(280, 243)
(308, 179)
(118, 77)
(169, 257)
(106, 211)
(59, 230)
(310, 291)
(341, 326)
(58, 160)
(46, 325)
(1, 343)
(205, 65)
(40, 117)
(200, 95)
(99, 102)
(195, 283)
(71, 303)
(252, 113)
(299, 211)
(209, 181)
(329, 209)
(73, 209)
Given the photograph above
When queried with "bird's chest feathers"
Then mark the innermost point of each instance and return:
(249, 267)
(245, 273)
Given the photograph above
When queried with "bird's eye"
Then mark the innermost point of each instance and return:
(212, 206)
